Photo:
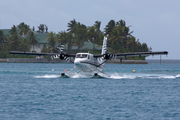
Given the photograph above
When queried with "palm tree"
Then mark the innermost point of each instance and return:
(80, 35)
(116, 37)
(109, 27)
(97, 26)
(24, 29)
(121, 23)
(126, 31)
(33, 39)
(2, 38)
(144, 47)
(131, 44)
(14, 38)
(99, 35)
(91, 35)
(51, 41)
(70, 41)
(41, 28)
(61, 38)
(25, 44)
(65, 38)
(72, 26)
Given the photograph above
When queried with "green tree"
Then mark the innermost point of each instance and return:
(116, 38)
(109, 27)
(91, 35)
(24, 29)
(61, 38)
(65, 38)
(14, 38)
(144, 47)
(2, 39)
(99, 35)
(131, 44)
(51, 42)
(41, 28)
(72, 26)
(80, 35)
(70, 41)
(25, 44)
(33, 39)
(97, 26)
(118, 35)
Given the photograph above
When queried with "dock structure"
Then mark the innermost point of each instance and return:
(3, 60)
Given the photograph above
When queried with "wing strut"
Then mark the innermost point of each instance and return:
(102, 63)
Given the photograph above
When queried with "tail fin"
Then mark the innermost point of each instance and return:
(104, 47)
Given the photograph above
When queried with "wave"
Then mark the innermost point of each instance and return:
(116, 76)
(48, 76)
(143, 76)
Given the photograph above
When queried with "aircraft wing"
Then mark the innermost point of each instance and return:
(32, 53)
(40, 54)
(96, 56)
(111, 56)
(141, 53)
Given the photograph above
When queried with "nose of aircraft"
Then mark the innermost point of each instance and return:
(77, 63)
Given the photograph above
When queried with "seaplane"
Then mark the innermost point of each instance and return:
(87, 62)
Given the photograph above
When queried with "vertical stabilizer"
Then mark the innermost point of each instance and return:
(104, 47)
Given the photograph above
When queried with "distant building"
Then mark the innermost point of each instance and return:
(41, 40)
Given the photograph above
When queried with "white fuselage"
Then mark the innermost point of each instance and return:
(87, 63)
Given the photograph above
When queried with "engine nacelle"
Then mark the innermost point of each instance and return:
(62, 56)
(108, 56)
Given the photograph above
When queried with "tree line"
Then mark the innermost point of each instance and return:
(20, 38)
(120, 38)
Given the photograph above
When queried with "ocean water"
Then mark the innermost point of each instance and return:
(33, 91)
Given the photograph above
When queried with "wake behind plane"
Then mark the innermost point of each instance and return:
(87, 62)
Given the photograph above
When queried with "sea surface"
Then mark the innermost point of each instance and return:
(35, 91)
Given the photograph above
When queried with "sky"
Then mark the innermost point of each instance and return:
(154, 22)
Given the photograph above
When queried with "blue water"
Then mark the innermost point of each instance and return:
(33, 91)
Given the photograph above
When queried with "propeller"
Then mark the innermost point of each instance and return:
(108, 56)
(62, 55)
(55, 57)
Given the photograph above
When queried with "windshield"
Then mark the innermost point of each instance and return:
(81, 56)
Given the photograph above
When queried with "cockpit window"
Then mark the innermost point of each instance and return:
(84, 55)
(81, 56)
(78, 55)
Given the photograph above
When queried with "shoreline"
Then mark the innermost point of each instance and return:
(31, 60)
(116, 61)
